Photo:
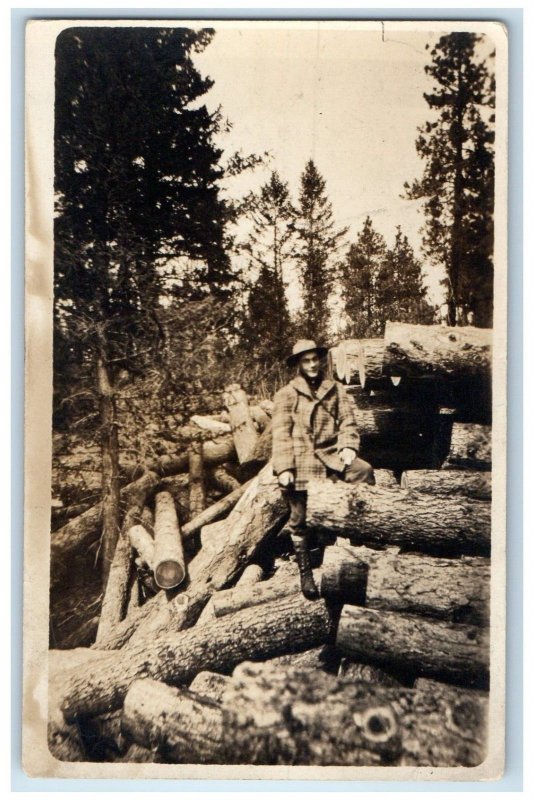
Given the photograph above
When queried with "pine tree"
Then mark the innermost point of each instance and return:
(136, 183)
(316, 251)
(458, 180)
(401, 294)
(270, 243)
(359, 279)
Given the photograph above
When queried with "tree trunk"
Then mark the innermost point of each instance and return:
(197, 494)
(229, 601)
(470, 446)
(218, 509)
(371, 359)
(285, 625)
(286, 715)
(453, 589)
(365, 673)
(258, 513)
(169, 562)
(224, 481)
(439, 351)
(376, 516)
(263, 449)
(454, 652)
(243, 428)
(84, 530)
(347, 360)
(210, 424)
(210, 684)
(385, 479)
(251, 575)
(443, 483)
(109, 446)
(216, 452)
(143, 544)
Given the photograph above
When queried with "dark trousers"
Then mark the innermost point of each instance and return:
(358, 472)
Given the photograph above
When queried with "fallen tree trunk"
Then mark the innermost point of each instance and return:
(210, 424)
(169, 562)
(251, 575)
(243, 428)
(470, 447)
(218, 509)
(443, 483)
(371, 359)
(453, 589)
(228, 601)
(210, 684)
(385, 478)
(377, 516)
(287, 625)
(257, 514)
(216, 452)
(436, 350)
(143, 544)
(457, 653)
(347, 360)
(286, 715)
(85, 529)
(197, 494)
(224, 481)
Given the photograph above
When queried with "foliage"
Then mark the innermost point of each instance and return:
(458, 180)
(266, 331)
(359, 277)
(316, 252)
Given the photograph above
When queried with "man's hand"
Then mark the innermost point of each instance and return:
(286, 478)
(347, 456)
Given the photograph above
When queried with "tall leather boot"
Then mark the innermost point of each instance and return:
(307, 583)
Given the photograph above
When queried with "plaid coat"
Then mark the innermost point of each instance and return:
(309, 432)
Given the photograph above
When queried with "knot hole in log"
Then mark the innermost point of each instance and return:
(378, 724)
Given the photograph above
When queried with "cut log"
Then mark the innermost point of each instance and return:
(82, 531)
(260, 417)
(470, 447)
(457, 653)
(243, 428)
(347, 360)
(289, 624)
(216, 452)
(117, 592)
(224, 481)
(385, 479)
(324, 657)
(231, 600)
(331, 363)
(377, 516)
(453, 589)
(262, 452)
(345, 581)
(197, 494)
(287, 715)
(251, 575)
(169, 562)
(210, 684)
(259, 512)
(143, 543)
(439, 351)
(358, 672)
(443, 483)
(210, 424)
(370, 364)
(218, 509)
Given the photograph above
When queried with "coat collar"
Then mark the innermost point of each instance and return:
(300, 384)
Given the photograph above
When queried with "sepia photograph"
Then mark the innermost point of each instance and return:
(266, 420)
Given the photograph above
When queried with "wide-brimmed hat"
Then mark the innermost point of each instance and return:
(304, 346)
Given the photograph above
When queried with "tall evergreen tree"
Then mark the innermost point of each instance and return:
(401, 294)
(359, 279)
(316, 251)
(136, 183)
(458, 180)
(270, 243)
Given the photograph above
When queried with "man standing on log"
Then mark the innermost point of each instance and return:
(314, 436)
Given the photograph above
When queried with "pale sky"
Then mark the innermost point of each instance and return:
(351, 100)
(347, 99)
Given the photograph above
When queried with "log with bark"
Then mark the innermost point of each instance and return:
(438, 351)
(258, 513)
(217, 451)
(169, 562)
(454, 589)
(458, 653)
(251, 575)
(377, 516)
(286, 625)
(210, 684)
(218, 509)
(347, 360)
(197, 493)
(243, 428)
(470, 447)
(210, 424)
(223, 480)
(370, 365)
(229, 601)
(442, 483)
(288, 715)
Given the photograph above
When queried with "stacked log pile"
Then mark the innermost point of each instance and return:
(206, 650)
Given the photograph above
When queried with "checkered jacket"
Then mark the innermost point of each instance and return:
(309, 432)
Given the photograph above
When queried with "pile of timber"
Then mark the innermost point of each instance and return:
(207, 652)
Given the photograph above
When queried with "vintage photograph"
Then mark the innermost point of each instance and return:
(266, 363)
